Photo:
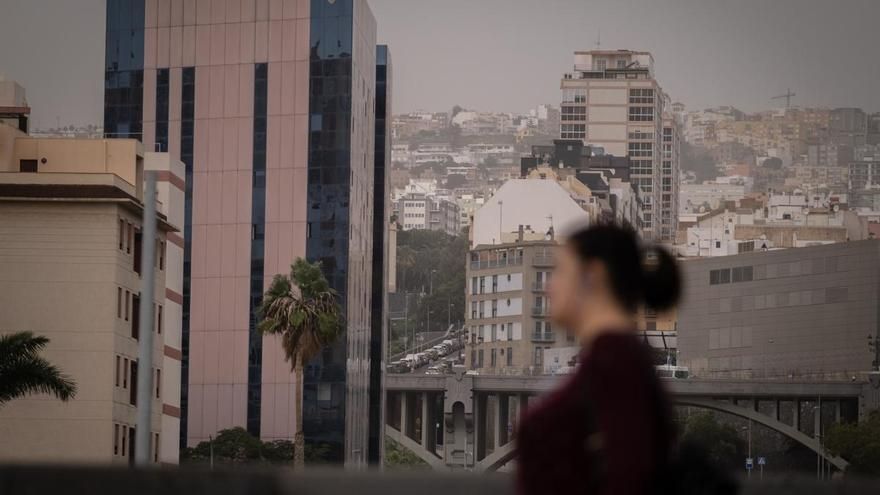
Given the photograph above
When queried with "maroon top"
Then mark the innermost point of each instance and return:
(606, 430)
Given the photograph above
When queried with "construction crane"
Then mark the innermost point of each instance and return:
(788, 94)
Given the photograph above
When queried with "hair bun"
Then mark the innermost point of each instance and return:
(661, 278)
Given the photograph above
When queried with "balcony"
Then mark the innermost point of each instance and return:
(544, 337)
(543, 260)
(539, 311)
(496, 263)
(539, 286)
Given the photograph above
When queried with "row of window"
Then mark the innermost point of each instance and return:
(641, 114)
(478, 284)
(503, 331)
(478, 309)
(577, 113)
(641, 95)
(574, 95)
(414, 215)
(123, 442)
(128, 308)
(129, 238)
(640, 149)
(573, 131)
(477, 357)
(829, 295)
(126, 378)
(731, 275)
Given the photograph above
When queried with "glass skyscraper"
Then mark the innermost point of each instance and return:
(271, 105)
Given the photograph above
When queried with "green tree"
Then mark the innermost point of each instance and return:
(238, 447)
(399, 457)
(303, 310)
(858, 443)
(722, 443)
(698, 160)
(23, 371)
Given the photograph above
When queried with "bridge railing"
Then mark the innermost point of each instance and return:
(280, 481)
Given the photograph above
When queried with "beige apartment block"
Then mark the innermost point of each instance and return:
(507, 308)
(70, 229)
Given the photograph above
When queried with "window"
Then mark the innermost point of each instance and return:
(576, 113)
(135, 320)
(641, 96)
(127, 298)
(539, 355)
(474, 284)
(621, 63)
(125, 369)
(129, 229)
(494, 308)
(746, 247)
(719, 276)
(159, 321)
(742, 274)
(124, 438)
(28, 166)
(480, 358)
(121, 234)
(155, 447)
(640, 149)
(641, 114)
(510, 356)
(115, 439)
(574, 95)
(158, 383)
(494, 283)
(138, 252)
(573, 131)
(482, 285)
(492, 358)
(161, 252)
(473, 310)
(118, 364)
(601, 64)
(119, 302)
(510, 331)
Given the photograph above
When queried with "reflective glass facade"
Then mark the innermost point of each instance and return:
(187, 128)
(124, 69)
(258, 238)
(270, 106)
(381, 218)
(340, 213)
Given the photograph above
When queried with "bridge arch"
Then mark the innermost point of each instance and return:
(435, 462)
(765, 420)
(497, 459)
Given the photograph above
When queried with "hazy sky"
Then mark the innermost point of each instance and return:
(510, 54)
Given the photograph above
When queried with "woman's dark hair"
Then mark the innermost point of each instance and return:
(638, 275)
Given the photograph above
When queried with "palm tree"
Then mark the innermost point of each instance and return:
(24, 372)
(304, 311)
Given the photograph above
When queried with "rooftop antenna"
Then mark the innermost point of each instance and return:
(599, 40)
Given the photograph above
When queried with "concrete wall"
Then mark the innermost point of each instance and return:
(806, 311)
(61, 271)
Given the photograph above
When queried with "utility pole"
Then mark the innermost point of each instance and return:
(143, 430)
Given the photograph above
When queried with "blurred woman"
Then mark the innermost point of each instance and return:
(607, 429)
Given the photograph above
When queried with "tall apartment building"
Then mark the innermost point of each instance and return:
(612, 100)
(797, 312)
(270, 105)
(71, 213)
(506, 302)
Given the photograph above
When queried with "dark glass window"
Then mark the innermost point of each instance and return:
(187, 126)
(258, 228)
(162, 90)
(29, 166)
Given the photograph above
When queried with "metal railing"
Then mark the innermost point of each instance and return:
(539, 286)
(539, 311)
(497, 263)
(543, 337)
(543, 260)
(45, 480)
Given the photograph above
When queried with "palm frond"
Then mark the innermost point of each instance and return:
(23, 371)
